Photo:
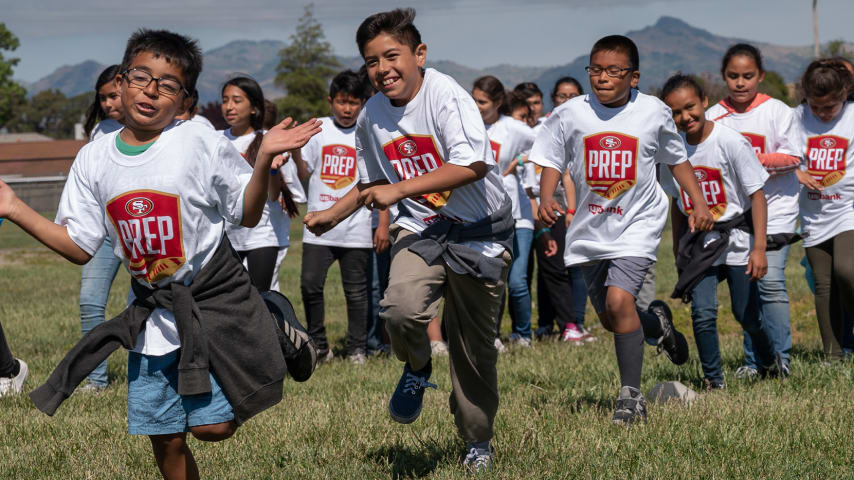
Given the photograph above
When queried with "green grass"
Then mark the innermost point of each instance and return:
(553, 422)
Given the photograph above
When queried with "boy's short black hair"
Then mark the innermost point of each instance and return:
(620, 44)
(397, 23)
(528, 89)
(176, 49)
(348, 82)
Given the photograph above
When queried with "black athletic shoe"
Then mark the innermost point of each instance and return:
(631, 407)
(405, 403)
(713, 384)
(300, 352)
(672, 343)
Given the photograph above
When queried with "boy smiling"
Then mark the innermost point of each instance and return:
(422, 144)
(611, 141)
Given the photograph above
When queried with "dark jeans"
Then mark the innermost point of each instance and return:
(261, 263)
(555, 294)
(7, 361)
(832, 266)
(355, 266)
(744, 295)
(381, 262)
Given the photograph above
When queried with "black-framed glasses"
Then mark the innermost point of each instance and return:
(166, 86)
(613, 71)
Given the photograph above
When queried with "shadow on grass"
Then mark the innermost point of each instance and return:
(415, 462)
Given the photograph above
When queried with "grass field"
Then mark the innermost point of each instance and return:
(553, 422)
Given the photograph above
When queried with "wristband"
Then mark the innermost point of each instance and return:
(521, 163)
(570, 211)
(274, 171)
(541, 232)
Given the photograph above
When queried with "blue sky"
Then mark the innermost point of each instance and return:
(479, 33)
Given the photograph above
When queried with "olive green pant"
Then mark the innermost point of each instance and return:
(412, 299)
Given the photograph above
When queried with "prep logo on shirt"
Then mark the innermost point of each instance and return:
(413, 156)
(149, 226)
(712, 185)
(826, 158)
(496, 149)
(338, 167)
(756, 141)
(610, 163)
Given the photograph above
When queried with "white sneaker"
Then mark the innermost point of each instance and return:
(438, 348)
(519, 340)
(478, 460)
(500, 346)
(14, 385)
(572, 334)
(358, 358)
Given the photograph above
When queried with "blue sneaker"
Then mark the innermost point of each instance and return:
(405, 403)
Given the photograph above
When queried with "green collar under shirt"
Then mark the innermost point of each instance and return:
(131, 150)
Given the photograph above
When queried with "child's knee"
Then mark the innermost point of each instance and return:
(619, 303)
(215, 432)
(168, 443)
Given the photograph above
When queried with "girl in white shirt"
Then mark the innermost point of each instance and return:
(825, 128)
(105, 113)
(243, 109)
(767, 124)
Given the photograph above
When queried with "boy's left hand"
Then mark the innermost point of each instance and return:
(381, 240)
(380, 196)
(757, 265)
(284, 136)
(701, 219)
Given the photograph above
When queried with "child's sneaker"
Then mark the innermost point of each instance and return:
(746, 372)
(438, 348)
(478, 459)
(671, 342)
(358, 358)
(713, 384)
(631, 407)
(588, 337)
(300, 352)
(14, 385)
(542, 333)
(519, 340)
(572, 334)
(499, 345)
(405, 403)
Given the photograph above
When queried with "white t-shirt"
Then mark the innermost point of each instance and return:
(769, 129)
(330, 157)
(202, 120)
(441, 124)
(728, 173)
(164, 209)
(272, 228)
(611, 155)
(508, 138)
(827, 153)
(105, 126)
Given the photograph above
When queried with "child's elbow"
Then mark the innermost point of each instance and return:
(479, 169)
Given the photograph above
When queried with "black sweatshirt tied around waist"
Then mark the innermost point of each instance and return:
(223, 325)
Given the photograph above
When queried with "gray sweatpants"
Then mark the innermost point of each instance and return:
(471, 305)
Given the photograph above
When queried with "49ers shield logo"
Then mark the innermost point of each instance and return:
(338, 166)
(756, 141)
(826, 158)
(610, 163)
(496, 150)
(149, 227)
(712, 185)
(413, 156)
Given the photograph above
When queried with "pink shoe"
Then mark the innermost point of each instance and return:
(572, 334)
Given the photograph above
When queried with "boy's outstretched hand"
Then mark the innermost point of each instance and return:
(288, 136)
(549, 211)
(7, 200)
(320, 222)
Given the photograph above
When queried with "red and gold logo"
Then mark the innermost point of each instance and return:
(756, 141)
(610, 163)
(338, 168)
(496, 150)
(413, 156)
(826, 158)
(712, 186)
(149, 225)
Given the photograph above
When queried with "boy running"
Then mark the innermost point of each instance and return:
(204, 354)
(611, 141)
(422, 145)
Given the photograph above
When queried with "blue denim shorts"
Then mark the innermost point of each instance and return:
(154, 406)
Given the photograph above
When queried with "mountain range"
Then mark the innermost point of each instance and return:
(668, 46)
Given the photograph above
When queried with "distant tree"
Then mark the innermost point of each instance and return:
(11, 94)
(836, 48)
(49, 112)
(305, 67)
(775, 86)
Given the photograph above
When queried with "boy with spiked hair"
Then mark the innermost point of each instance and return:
(205, 355)
(422, 145)
(611, 141)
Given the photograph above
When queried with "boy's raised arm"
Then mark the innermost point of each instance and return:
(50, 234)
(447, 177)
(277, 140)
